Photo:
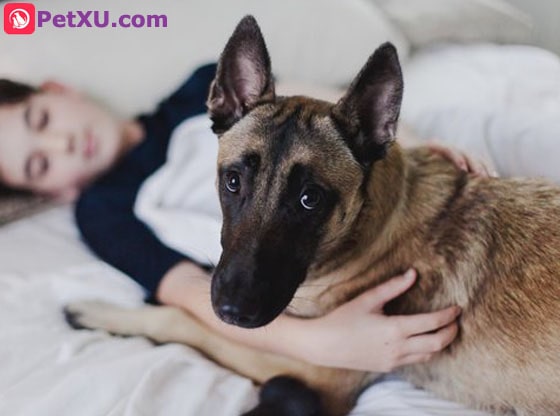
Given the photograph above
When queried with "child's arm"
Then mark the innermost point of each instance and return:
(357, 335)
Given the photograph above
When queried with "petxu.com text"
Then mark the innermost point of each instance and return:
(99, 19)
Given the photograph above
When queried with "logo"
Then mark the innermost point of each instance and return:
(19, 18)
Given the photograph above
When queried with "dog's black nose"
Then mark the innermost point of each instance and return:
(235, 315)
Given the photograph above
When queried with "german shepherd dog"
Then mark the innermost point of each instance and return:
(320, 204)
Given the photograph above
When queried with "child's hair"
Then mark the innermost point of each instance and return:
(12, 92)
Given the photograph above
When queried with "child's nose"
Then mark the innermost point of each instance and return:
(58, 142)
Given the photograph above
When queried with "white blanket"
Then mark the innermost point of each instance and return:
(179, 202)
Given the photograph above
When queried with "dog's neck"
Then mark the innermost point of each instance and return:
(385, 195)
(405, 191)
(384, 192)
(385, 198)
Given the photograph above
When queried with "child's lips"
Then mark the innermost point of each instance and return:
(90, 145)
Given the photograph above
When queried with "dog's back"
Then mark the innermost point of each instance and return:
(494, 249)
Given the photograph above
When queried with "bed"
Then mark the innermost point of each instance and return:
(49, 369)
(499, 102)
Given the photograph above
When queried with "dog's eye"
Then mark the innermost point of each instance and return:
(310, 198)
(233, 182)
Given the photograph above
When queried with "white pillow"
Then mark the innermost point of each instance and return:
(500, 103)
(317, 41)
(429, 21)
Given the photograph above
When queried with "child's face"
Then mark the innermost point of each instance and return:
(56, 142)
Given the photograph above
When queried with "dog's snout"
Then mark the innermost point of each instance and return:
(237, 315)
(248, 291)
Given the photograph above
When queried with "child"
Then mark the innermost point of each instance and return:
(54, 140)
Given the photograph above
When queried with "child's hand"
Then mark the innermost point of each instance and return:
(462, 161)
(359, 336)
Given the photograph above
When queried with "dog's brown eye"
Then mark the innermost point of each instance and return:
(310, 198)
(233, 182)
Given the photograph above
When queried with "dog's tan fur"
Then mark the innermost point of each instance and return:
(490, 245)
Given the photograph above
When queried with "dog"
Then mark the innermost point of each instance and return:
(320, 204)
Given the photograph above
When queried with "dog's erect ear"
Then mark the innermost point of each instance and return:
(243, 78)
(369, 111)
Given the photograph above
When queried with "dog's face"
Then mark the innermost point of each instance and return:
(291, 172)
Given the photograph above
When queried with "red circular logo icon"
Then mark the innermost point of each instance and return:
(19, 18)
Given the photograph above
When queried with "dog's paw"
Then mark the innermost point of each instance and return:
(93, 315)
(72, 317)
(158, 323)
(287, 396)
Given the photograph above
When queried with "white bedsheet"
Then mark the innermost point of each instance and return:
(48, 369)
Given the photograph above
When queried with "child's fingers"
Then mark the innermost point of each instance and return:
(415, 325)
(415, 359)
(453, 155)
(375, 298)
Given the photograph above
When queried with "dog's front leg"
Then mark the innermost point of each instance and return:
(163, 324)
(287, 396)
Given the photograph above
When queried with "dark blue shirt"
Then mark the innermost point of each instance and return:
(105, 211)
